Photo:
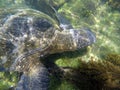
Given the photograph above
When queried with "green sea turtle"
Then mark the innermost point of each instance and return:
(26, 35)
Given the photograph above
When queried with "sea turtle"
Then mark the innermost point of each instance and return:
(26, 35)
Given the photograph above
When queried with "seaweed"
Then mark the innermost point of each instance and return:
(113, 58)
(95, 75)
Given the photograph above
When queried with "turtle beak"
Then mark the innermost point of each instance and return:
(82, 37)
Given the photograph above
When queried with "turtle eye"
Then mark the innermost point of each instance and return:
(42, 24)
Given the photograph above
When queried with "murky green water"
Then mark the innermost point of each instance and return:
(101, 16)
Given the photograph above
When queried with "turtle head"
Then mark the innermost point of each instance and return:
(82, 38)
(73, 39)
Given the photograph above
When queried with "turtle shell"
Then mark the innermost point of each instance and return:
(22, 32)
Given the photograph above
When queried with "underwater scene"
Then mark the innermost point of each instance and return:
(59, 44)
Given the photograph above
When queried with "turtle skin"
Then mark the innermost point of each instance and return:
(35, 76)
(26, 35)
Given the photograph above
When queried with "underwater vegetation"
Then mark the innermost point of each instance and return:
(113, 58)
(8, 80)
(92, 75)
(96, 75)
(103, 17)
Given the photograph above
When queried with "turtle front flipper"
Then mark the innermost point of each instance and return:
(38, 81)
(35, 75)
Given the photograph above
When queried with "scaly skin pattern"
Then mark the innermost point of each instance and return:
(37, 82)
(22, 31)
(35, 76)
(26, 35)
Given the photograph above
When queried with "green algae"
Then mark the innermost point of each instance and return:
(8, 80)
(92, 75)
(113, 58)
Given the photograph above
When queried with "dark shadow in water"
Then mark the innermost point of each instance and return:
(88, 76)
(2, 69)
(95, 76)
(56, 73)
